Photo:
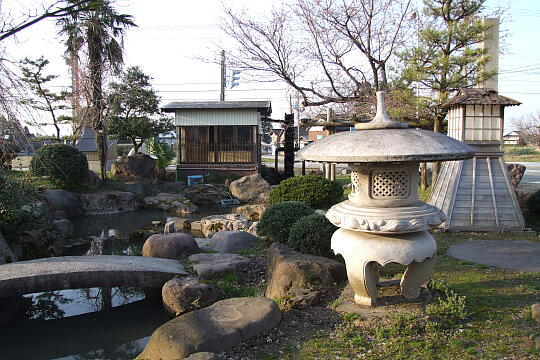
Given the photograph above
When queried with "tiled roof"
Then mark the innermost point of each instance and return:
(479, 97)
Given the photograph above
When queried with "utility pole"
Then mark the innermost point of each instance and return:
(223, 78)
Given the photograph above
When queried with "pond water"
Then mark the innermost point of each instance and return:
(95, 323)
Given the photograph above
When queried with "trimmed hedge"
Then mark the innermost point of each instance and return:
(533, 203)
(63, 164)
(312, 235)
(277, 219)
(315, 191)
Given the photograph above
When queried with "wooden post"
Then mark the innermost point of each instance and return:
(288, 170)
(303, 167)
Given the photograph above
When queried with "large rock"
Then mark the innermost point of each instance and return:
(290, 273)
(215, 265)
(201, 194)
(110, 202)
(94, 181)
(135, 167)
(203, 356)
(38, 243)
(6, 255)
(41, 213)
(231, 222)
(231, 241)
(535, 312)
(252, 188)
(175, 203)
(516, 172)
(182, 295)
(142, 188)
(170, 246)
(171, 186)
(64, 227)
(63, 203)
(252, 212)
(213, 329)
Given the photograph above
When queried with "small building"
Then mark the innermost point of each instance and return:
(320, 132)
(476, 194)
(514, 138)
(218, 136)
(88, 146)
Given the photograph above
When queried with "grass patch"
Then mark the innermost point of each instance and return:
(478, 312)
(231, 285)
(521, 154)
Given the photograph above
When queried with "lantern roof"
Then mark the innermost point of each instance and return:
(384, 140)
(482, 96)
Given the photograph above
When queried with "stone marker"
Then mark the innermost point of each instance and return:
(215, 328)
(211, 266)
(170, 246)
(182, 295)
(290, 272)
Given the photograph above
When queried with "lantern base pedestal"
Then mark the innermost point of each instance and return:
(363, 251)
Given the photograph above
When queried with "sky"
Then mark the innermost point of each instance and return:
(172, 36)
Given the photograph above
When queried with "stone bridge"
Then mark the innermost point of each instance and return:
(77, 272)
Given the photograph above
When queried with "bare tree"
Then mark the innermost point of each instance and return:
(60, 8)
(329, 51)
(529, 127)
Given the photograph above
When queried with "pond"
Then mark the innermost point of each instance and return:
(95, 323)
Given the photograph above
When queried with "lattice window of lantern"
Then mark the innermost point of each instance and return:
(355, 181)
(388, 184)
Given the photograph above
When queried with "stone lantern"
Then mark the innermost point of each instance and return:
(383, 221)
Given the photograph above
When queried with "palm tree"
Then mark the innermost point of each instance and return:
(100, 30)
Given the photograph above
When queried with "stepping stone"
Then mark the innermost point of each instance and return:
(213, 329)
(520, 255)
(211, 266)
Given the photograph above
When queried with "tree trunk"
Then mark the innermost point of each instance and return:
(423, 176)
(436, 165)
(95, 52)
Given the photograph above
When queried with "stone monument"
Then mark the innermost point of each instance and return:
(383, 221)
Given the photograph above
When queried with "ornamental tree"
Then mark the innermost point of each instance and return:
(133, 108)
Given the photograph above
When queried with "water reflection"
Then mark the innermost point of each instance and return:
(95, 323)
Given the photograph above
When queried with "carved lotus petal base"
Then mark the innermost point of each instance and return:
(407, 219)
(362, 251)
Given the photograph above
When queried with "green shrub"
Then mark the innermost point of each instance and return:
(448, 311)
(162, 151)
(312, 235)
(14, 193)
(63, 164)
(277, 219)
(533, 203)
(312, 190)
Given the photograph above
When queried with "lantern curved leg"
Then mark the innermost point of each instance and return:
(416, 276)
(363, 278)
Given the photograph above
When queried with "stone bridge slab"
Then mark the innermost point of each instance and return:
(76, 272)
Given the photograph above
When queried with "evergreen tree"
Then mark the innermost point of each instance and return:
(447, 57)
(132, 103)
(46, 100)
